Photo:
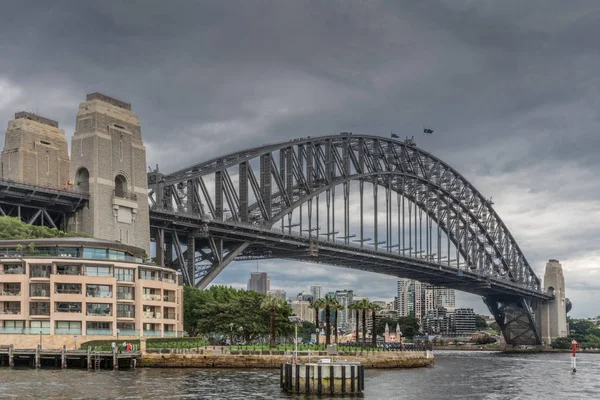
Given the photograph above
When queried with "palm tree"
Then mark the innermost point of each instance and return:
(336, 306)
(329, 304)
(272, 304)
(364, 306)
(374, 308)
(317, 305)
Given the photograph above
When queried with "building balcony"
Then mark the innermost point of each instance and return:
(125, 296)
(125, 314)
(67, 331)
(40, 293)
(10, 311)
(129, 332)
(107, 332)
(10, 292)
(170, 299)
(151, 333)
(150, 314)
(152, 297)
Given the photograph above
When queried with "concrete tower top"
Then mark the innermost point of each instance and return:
(110, 100)
(37, 118)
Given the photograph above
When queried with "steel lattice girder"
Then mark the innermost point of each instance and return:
(516, 318)
(302, 169)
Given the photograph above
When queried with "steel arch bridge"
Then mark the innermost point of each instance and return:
(356, 201)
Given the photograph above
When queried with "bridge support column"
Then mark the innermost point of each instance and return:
(516, 318)
(553, 314)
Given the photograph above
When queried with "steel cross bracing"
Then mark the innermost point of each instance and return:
(318, 188)
(38, 205)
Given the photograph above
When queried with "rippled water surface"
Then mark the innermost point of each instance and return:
(456, 375)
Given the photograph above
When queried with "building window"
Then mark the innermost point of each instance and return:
(39, 289)
(82, 179)
(61, 306)
(67, 288)
(10, 289)
(68, 328)
(120, 186)
(39, 308)
(103, 291)
(10, 307)
(40, 271)
(95, 254)
(13, 269)
(97, 271)
(68, 269)
(125, 311)
(98, 309)
(125, 293)
(149, 275)
(14, 324)
(98, 328)
(125, 274)
(151, 294)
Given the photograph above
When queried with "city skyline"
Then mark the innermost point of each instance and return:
(508, 110)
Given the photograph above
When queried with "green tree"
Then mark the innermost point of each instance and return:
(480, 322)
(374, 308)
(409, 326)
(317, 305)
(14, 228)
(363, 306)
(380, 326)
(272, 304)
(561, 343)
(336, 307)
(306, 331)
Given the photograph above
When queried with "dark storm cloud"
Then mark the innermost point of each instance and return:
(510, 87)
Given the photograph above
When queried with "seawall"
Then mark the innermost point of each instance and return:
(378, 359)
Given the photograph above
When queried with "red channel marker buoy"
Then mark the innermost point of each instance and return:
(574, 347)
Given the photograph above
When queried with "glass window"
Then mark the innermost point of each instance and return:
(148, 274)
(98, 254)
(67, 288)
(10, 289)
(10, 307)
(74, 252)
(98, 309)
(40, 270)
(116, 255)
(14, 324)
(62, 306)
(39, 289)
(151, 294)
(13, 269)
(125, 274)
(125, 326)
(39, 324)
(68, 269)
(125, 311)
(68, 328)
(98, 325)
(125, 293)
(104, 291)
(97, 271)
(39, 308)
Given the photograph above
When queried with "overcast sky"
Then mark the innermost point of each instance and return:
(511, 89)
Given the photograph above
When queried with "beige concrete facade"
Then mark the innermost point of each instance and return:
(554, 313)
(69, 289)
(108, 160)
(35, 152)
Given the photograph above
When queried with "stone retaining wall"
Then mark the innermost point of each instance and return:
(383, 359)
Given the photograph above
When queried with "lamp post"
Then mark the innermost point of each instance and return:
(296, 321)
(75, 337)
(40, 339)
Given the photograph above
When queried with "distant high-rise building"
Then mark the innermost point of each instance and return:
(303, 310)
(280, 294)
(464, 321)
(345, 298)
(445, 298)
(316, 291)
(259, 282)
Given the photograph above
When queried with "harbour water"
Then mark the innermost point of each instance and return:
(456, 375)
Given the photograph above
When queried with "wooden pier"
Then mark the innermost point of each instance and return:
(89, 359)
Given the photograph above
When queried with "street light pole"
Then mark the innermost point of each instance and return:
(40, 339)
(297, 321)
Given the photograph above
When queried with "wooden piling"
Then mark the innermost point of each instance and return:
(11, 357)
(37, 356)
(89, 358)
(63, 357)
